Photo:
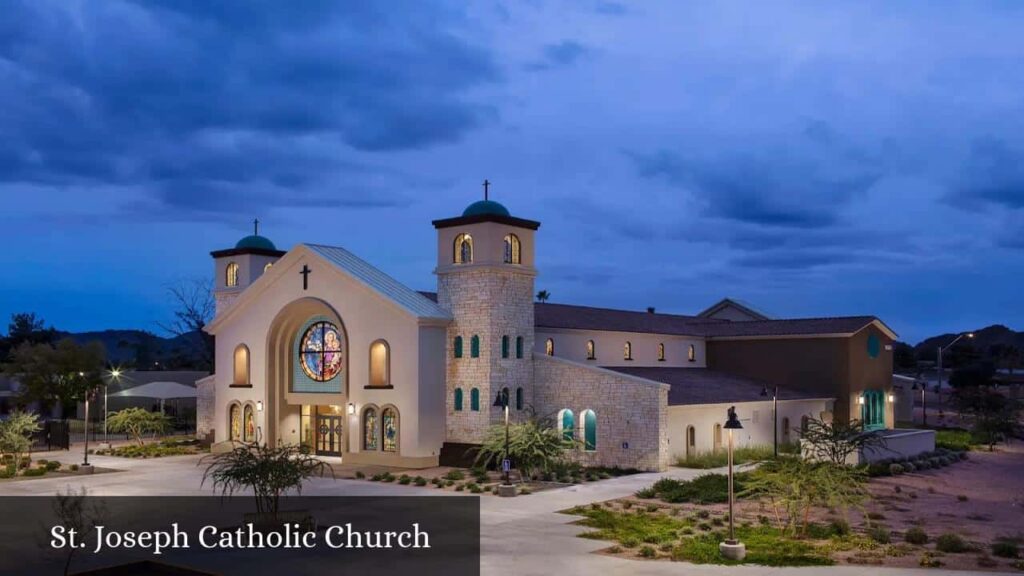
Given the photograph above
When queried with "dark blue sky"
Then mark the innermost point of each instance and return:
(810, 158)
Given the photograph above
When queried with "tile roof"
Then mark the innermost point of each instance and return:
(588, 318)
(704, 386)
(416, 303)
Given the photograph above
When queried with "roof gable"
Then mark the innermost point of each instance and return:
(741, 307)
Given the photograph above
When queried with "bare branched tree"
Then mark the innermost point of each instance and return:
(194, 309)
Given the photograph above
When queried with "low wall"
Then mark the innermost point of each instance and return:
(632, 413)
(900, 443)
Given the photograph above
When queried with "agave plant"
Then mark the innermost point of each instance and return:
(534, 446)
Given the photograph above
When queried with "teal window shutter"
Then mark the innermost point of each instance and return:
(458, 346)
(458, 399)
(504, 346)
(589, 430)
(474, 400)
(474, 346)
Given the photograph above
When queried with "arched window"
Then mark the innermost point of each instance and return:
(370, 428)
(717, 438)
(474, 346)
(389, 429)
(231, 275)
(589, 430)
(248, 424)
(463, 249)
(661, 352)
(691, 353)
(457, 346)
(568, 424)
(512, 249)
(474, 400)
(241, 376)
(235, 421)
(519, 398)
(804, 421)
(785, 430)
(458, 399)
(590, 350)
(380, 364)
(267, 267)
(505, 345)
(691, 442)
(549, 347)
(519, 346)
(627, 351)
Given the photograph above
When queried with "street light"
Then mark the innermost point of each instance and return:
(732, 548)
(88, 393)
(775, 414)
(941, 350)
(115, 374)
(506, 488)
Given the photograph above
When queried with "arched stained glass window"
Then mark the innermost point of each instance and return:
(519, 398)
(589, 430)
(320, 351)
(549, 347)
(235, 421)
(389, 429)
(505, 346)
(568, 422)
(512, 255)
(231, 275)
(463, 249)
(474, 346)
(519, 346)
(457, 346)
(591, 352)
(249, 424)
(370, 429)
(691, 353)
(474, 400)
(661, 351)
(627, 351)
(458, 399)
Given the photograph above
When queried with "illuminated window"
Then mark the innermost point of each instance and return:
(505, 346)
(370, 429)
(567, 423)
(249, 423)
(549, 347)
(267, 267)
(241, 376)
(512, 249)
(457, 346)
(474, 400)
(474, 346)
(380, 364)
(589, 430)
(320, 351)
(389, 429)
(231, 275)
(519, 346)
(661, 352)
(235, 421)
(458, 399)
(691, 353)
(463, 249)
(590, 350)
(627, 351)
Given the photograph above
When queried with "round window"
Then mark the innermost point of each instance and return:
(320, 351)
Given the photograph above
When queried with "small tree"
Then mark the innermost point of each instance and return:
(995, 416)
(79, 513)
(60, 373)
(135, 422)
(194, 308)
(16, 433)
(836, 441)
(543, 296)
(269, 472)
(534, 445)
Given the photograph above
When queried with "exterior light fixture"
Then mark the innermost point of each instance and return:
(351, 408)
(860, 400)
(259, 405)
(892, 398)
(732, 548)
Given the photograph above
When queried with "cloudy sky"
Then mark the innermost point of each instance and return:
(812, 158)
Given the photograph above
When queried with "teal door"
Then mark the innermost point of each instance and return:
(872, 410)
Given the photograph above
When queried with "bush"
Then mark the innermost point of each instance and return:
(455, 475)
(915, 535)
(706, 489)
(35, 472)
(420, 481)
(405, 480)
(953, 439)
(909, 467)
(648, 552)
(879, 534)
(740, 455)
(74, 467)
(951, 544)
(839, 527)
(646, 493)
(7, 471)
(895, 469)
(961, 497)
(1005, 549)
(52, 465)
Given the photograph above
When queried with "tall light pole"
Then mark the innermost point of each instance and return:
(506, 488)
(941, 350)
(115, 374)
(732, 548)
(775, 414)
(88, 393)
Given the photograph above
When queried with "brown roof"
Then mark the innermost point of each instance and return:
(791, 327)
(703, 386)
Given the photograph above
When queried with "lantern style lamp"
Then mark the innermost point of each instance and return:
(732, 548)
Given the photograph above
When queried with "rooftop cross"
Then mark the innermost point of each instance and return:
(487, 185)
(256, 227)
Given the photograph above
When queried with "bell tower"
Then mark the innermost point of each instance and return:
(485, 278)
(234, 269)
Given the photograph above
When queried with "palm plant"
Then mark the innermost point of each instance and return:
(543, 296)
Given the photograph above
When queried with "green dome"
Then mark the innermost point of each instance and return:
(256, 242)
(483, 207)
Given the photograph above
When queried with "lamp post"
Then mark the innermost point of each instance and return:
(732, 548)
(941, 350)
(506, 488)
(115, 374)
(775, 414)
(85, 463)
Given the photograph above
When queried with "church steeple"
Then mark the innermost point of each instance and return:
(236, 268)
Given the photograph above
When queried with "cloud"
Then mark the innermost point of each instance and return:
(610, 8)
(992, 175)
(561, 55)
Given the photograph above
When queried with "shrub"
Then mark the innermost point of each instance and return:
(839, 527)
(951, 544)
(525, 491)
(405, 479)
(646, 493)
(953, 439)
(387, 477)
(1005, 549)
(704, 526)
(74, 467)
(420, 481)
(52, 465)
(705, 489)
(929, 561)
(879, 534)
(455, 475)
(475, 488)
(34, 472)
(7, 471)
(909, 467)
(916, 535)
(895, 469)
(648, 552)
(741, 455)
(360, 474)
(630, 542)
(460, 488)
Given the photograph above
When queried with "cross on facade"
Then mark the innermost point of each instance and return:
(487, 185)
(305, 276)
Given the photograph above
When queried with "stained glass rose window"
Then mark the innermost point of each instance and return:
(320, 351)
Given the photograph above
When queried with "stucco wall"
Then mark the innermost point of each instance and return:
(609, 348)
(632, 413)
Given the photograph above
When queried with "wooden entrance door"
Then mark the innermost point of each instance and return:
(328, 435)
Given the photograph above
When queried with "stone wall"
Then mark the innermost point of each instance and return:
(632, 413)
(206, 396)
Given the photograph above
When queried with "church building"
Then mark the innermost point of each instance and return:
(316, 346)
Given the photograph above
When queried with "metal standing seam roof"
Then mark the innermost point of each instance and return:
(415, 303)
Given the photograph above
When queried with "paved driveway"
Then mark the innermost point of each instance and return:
(522, 536)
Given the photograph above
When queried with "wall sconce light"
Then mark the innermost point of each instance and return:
(860, 400)
(351, 408)
(892, 398)
(259, 405)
